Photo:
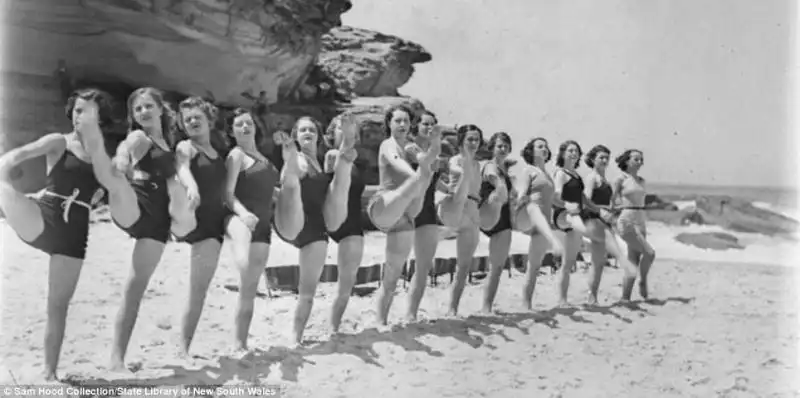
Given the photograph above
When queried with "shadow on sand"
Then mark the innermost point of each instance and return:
(257, 364)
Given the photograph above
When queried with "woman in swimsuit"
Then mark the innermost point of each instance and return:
(630, 192)
(459, 209)
(145, 200)
(201, 170)
(568, 204)
(496, 212)
(324, 203)
(426, 224)
(598, 223)
(399, 199)
(251, 182)
(350, 235)
(56, 220)
(533, 212)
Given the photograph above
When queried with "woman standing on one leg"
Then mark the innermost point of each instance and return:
(630, 191)
(460, 208)
(56, 221)
(142, 206)
(250, 185)
(399, 200)
(350, 235)
(533, 214)
(568, 204)
(202, 171)
(426, 224)
(324, 204)
(495, 194)
(598, 223)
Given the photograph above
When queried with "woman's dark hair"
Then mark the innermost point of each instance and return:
(499, 136)
(218, 138)
(169, 123)
(562, 149)
(104, 101)
(321, 146)
(231, 118)
(624, 157)
(387, 117)
(592, 154)
(418, 119)
(461, 134)
(424, 112)
(528, 150)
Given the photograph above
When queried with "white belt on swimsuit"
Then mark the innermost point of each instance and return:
(68, 201)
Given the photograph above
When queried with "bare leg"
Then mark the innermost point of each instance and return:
(612, 247)
(542, 226)
(645, 265)
(21, 212)
(627, 280)
(466, 243)
(426, 240)
(121, 196)
(499, 247)
(598, 251)
(398, 247)
(351, 250)
(250, 259)
(312, 260)
(451, 208)
(289, 215)
(407, 198)
(572, 244)
(335, 208)
(62, 279)
(537, 248)
(392, 205)
(146, 256)
(205, 258)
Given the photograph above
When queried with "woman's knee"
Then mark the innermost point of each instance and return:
(305, 299)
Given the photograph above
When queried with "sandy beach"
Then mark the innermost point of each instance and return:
(715, 329)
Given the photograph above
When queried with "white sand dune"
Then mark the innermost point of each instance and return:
(714, 331)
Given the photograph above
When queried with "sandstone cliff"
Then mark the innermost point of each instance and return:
(288, 58)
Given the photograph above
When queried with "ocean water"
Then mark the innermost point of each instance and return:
(778, 198)
(759, 249)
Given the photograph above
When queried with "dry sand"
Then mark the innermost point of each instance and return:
(715, 330)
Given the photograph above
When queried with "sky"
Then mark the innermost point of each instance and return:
(703, 87)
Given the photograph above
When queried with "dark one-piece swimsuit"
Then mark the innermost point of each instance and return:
(210, 175)
(314, 191)
(254, 189)
(601, 196)
(428, 215)
(65, 203)
(571, 193)
(152, 195)
(504, 222)
(353, 225)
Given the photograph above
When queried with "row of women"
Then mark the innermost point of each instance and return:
(177, 177)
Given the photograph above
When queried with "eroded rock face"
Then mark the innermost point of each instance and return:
(229, 51)
(287, 59)
(368, 63)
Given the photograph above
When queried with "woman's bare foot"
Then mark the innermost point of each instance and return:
(349, 132)
(49, 377)
(563, 304)
(117, 367)
(643, 289)
(591, 300)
